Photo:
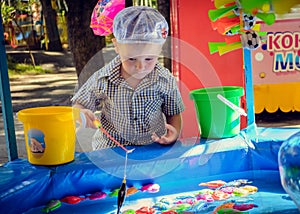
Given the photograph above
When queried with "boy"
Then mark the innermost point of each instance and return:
(138, 98)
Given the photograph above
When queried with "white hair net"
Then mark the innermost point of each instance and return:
(140, 24)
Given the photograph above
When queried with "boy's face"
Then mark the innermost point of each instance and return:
(138, 60)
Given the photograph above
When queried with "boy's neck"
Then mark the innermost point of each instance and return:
(132, 82)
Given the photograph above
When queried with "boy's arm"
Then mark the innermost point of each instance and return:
(176, 122)
(173, 127)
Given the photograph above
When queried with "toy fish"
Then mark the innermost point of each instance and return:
(180, 207)
(52, 205)
(228, 205)
(145, 210)
(240, 192)
(169, 212)
(97, 195)
(200, 206)
(166, 201)
(230, 211)
(235, 183)
(206, 191)
(160, 206)
(204, 197)
(213, 184)
(130, 211)
(72, 199)
(244, 207)
(114, 192)
(228, 190)
(185, 200)
(151, 188)
(218, 195)
(250, 189)
(131, 191)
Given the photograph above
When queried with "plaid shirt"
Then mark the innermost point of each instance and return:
(130, 115)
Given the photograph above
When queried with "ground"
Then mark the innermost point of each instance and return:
(57, 88)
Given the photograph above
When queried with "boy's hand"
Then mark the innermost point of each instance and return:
(168, 138)
(86, 116)
(89, 118)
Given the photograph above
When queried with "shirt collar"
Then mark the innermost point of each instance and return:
(112, 71)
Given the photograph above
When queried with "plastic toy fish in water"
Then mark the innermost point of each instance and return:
(145, 210)
(244, 207)
(230, 211)
(185, 199)
(180, 207)
(228, 190)
(97, 195)
(223, 206)
(200, 207)
(205, 197)
(72, 199)
(218, 195)
(240, 192)
(131, 191)
(206, 191)
(130, 211)
(235, 183)
(151, 188)
(169, 212)
(250, 189)
(52, 205)
(114, 192)
(213, 184)
(161, 206)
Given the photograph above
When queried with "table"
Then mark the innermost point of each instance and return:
(178, 169)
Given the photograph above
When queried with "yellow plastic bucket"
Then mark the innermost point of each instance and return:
(49, 134)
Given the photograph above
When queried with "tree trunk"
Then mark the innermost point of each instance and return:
(51, 26)
(163, 7)
(82, 42)
(128, 3)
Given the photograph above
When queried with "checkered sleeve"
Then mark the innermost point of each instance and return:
(173, 103)
(86, 95)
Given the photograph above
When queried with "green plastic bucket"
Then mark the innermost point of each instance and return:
(215, 118)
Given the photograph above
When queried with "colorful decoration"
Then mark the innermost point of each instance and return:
(103, 16)
(237, 19)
